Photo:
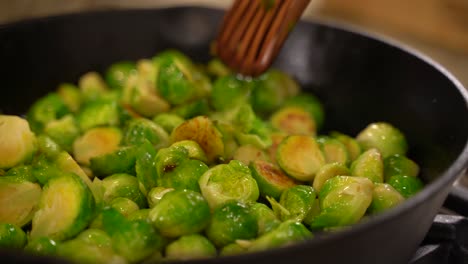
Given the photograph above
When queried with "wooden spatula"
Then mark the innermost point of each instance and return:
(253, 32)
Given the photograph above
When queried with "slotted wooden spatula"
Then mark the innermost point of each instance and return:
(253, 31)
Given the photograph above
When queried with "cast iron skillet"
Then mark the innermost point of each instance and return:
(360, 79)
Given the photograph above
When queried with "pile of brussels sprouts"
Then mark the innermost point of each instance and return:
(163, 159)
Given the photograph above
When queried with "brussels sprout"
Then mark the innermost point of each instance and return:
(300, 157)
(141, 214)
(183, 176)
(192, 109)
(333, 150)
(229, 92)
(123, 185)
(180, 212)
(295, 203)
(96, 142)
(148, 70)
(351, 144)
(217, 68)
(134, 240)
(47, 146)
(17, 143)
(124, 206)
(44, 110)
(21, 173)
(168, 121)
(64, 131)
(258, 135)
(406, 185)
(156, 194)
(80, 251)
(273, 88)
(92, 86)
(65, 163)
(12, 236)
(226, 182)
(288, 232)
(311, 104)
(18, 200)
(120, 161)
(271, 180)
(388, 139)
(294, 120)
(276, 139)
(201, 130)
(266, 218)
(329, 171)
(232, 249)
(193, 148)
(399, 165)
(249, 153)
(66, 207)
(41, 246)
(369, 165)
(99, 113)
(70, 95)
(145, 166)
(44, 169)
(95, 236)
(343, 201)
(231, 221)
(384, 197)
(188, 247)
(118, 73)
(227, 134)
(141, 129)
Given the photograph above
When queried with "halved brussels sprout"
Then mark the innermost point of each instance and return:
(80, 251)
(156, 194)
(64, 131)
(21, 173)
(12, 236)
(193, 148)
(295, 203)
(17, 141)
(276, 138)
(92, 86)
(266, 218)
(384, 197)
(217, 68)
(311, 104)
(229, 92)
(369, 165)
(99, 113)
(351, 144)
(399, 165)
(184, 175)
(140, 129)
(47, 146)
(118, 73)
(145, 166)
(41, 246)
(201, 130)
(66, 207)
(231, 221)
(232, 249)
(168, 121)
(120, 161)
(249, 153)
(226, 182)
(95, 142)
(18, 200)
(329, 171)
(383, 136)
(141, 214)
(300, 157)
(95, 236)
(46, 109)
(333, 150)
(70, 95)
(123, 185)
(271, 180)
(406, 185)
(188, 247)
(192, 109)
(294, 120)
(180, 212)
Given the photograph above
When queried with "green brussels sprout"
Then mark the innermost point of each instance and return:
(120, 161)
(266, 218)
(148, 70)
(92, 86)
(65, 163)
(311, 104)
(272, 89)
(118, 73)
(258, 135)
(249, 153)
(295, 203)
(369, 165)
(232, 250)
(141, 214)
(271, 180)
(188, 247)
(156, 194)
(70, 95)
(351, 144)
(388, 139)
(384, 197)
(96, 142)
(406, 185)
(145, 166)
(168, 121)
(140, 129)
(192, 109)
(343, 201)
(134, 240)
(12, 236)
(201, 130)
(46, 109)
(123, 185)
(226, 182)
(193, 148)
(216, 68)
(66, 207)
(80, 251)
(17, 142)
(47, 146)
(227, 135)
(333, 150)
(18, 200)
(180, 212)
(276, 139)
(329, 171)
(21, 173)
(284, 234)
(231, 221)
(230, 91)
(41, 246)
(300, 157)
(95, 236)
(399, 165)
(44, 169)
(183, 176)
(63, 131)
(294, 120)
(99, 113)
